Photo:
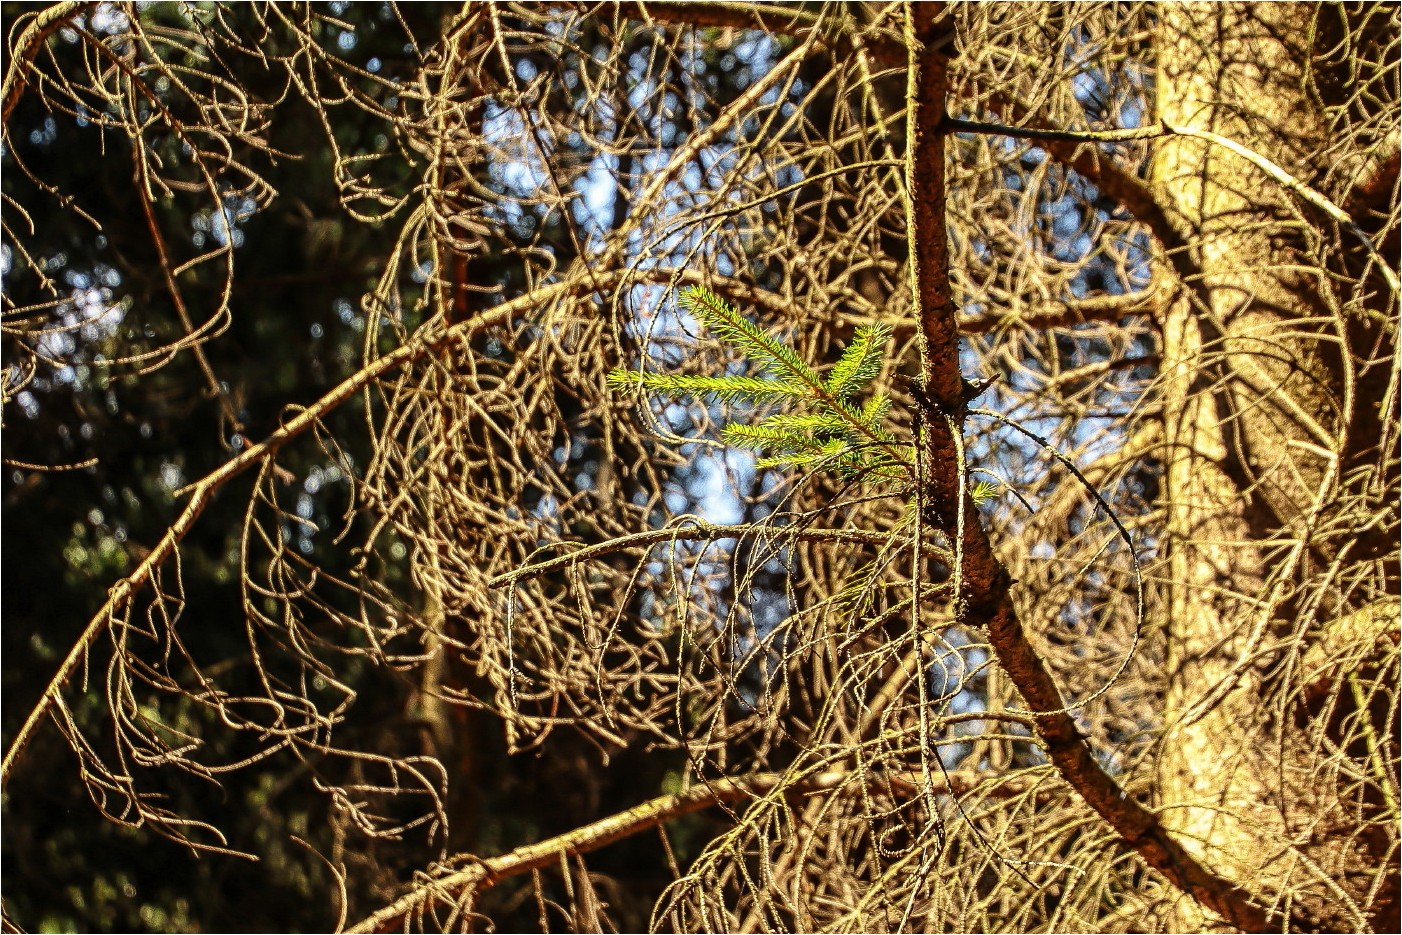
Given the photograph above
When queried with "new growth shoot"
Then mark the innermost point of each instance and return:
(823, 422)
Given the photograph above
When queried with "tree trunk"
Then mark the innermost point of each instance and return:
(1257, 413)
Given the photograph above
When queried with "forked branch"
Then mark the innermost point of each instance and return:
(27, 45)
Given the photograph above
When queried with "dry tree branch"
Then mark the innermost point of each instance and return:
(1137, 197)
(28, 466)
(769, 643)
(144, 195)
(27, 45)
(693, 531)
(769, 17)
(480, 873)
(1130, 192)
(1059, 313)
(1303, 191)
(960, 125)
(258, 454)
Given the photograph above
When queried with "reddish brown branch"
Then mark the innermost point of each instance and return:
(1137, 826)
(1375, 183)
(939, 327)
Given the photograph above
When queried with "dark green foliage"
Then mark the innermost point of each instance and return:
(297, 328)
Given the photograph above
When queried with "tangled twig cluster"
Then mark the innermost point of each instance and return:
(576, 560)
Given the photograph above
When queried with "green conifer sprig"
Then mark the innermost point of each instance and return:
(726, 323)
(983, 491)
(824, 423)
(729, 388)
(860, 363)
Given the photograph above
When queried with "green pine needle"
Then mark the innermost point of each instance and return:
(729, 389)
(730, 326)
(811, 424)
(760, 437)
(833, 450)
(860, 363)
(873, 413)
(827, 427)
(985, 490)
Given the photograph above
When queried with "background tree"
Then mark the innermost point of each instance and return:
(1089, 622)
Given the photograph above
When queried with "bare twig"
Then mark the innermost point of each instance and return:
(480, 873)
(26, 46)
(200, 491)
(688, 531)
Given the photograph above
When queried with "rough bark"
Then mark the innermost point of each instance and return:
(1256, 420)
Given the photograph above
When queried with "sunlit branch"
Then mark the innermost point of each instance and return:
(1113, 180)
(203, 489)
(309, 417)
(781, 19)
(959, 125)
(1303, 191)
(1133, 194)
(23, 50)
(480, 873)
(695, 531)
(55, 468)
(982, 584)
(1008, 312)
(1065, 313)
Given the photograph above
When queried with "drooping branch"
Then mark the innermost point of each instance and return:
(695, 531)
(203, 489)
(217, 388)
(27, 45)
